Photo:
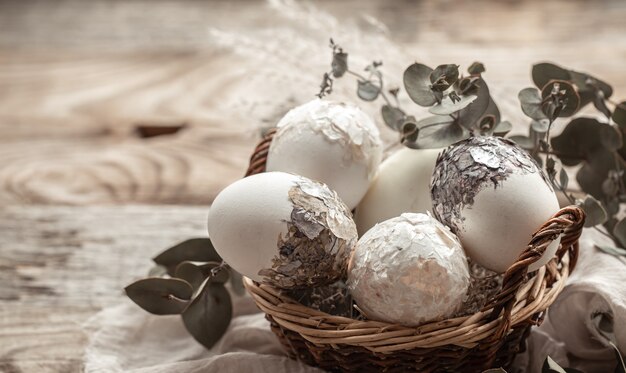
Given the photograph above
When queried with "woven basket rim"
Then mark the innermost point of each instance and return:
(533, 294)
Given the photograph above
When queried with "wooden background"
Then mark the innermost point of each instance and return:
(85, 201)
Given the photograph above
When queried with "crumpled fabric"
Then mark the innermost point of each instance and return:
(124, 338)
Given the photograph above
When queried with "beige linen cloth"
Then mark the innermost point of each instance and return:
(126, 339)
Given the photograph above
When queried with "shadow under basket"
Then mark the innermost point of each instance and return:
(486, 339)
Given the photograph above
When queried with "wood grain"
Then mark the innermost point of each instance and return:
(77, 77)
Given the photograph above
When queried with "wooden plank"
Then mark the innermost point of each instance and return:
(60, 265)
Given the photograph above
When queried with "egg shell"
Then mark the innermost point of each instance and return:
(282, 229)
(492, 194)
(334, 143)
(408, 270)
(402, 184)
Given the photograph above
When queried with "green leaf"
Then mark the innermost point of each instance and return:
(340, 64)
(447, 106)
(393, 117)
(437, 132)
(476, 68)
(523, 141)
(236, 282)
(559, 99)
(160, 296)
(544, 72)
(594, 211)
(530, 101)
(615, 251)
(563, 178)
(367, 90)
(595, 171)
(610, 137)
(619, 231)
(619, 114)
(589, 86)
(502, 128)
(600, 104)
(550, 366)
(579, 139)
(209, 314)
(540, 126)
(193, 250)
(469, 117)
(410, 132)
(494, 370)
(443, 77)
(196, 274)
(417, 84)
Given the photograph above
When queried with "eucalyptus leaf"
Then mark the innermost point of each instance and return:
(590, 85)
(540, 126)
(447, 106)
(611, 250)
(367, 90)
(196, 274)
(523, 141)
(600, 104)
(619, 114)
(610, 136)
(236, 282)
(209, 314)
(393, 117)
(471, 115)
(594, 211)
(417, 84)
(619, 231)
(160, 296)
(492, 109)
(194, 250)
(494, 370)
(340, 64)
(502, 128)
(543, 73)
(559, 99)
(579, 139)
(551, 366)
(410, 132)
(595, 170)
(563, 178)
(476, 68)
(437, 132)
(443, 77)
(530, 101)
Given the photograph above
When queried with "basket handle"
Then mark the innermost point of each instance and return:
(569, 222)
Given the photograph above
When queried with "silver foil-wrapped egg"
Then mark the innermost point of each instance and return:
(408, 270)
(493, 196)
(282, 229)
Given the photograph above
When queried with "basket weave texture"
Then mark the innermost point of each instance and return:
(471, 343)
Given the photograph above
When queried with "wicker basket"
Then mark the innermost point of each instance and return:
(472, 343)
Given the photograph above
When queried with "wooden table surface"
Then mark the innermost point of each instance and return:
(85, 202)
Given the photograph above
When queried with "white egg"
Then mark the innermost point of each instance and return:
(492, 194)
(334, 143)
(402, 184)
(408, 270)
(282, 229)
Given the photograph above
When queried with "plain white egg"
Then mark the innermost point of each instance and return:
(402, 184)
(408, 270)
(335, 143)
(282, 229)
(492, 194)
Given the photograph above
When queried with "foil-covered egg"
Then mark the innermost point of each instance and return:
(335, 143)
(402, 184)
(492, 194)
(283, 229)
(408, 270)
